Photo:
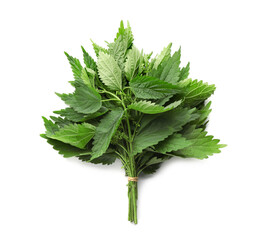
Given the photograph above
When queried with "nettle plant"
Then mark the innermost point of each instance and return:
(132, 107)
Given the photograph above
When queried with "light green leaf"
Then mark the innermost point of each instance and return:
(118, 51)
(147, 87)
(172, 143)
(66, 149)
(98, 49)
(126, 35)
(105, 131)
(184, 72)
(109, 71)
(155, 128)
(196, 91)
(151, 108)
(168, 70)
(77, 135)
(166, 52)
(84, 100)
(88, 75)
(171, 71)
(201, 146)
(132, 63)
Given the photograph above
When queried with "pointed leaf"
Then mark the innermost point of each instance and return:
(88, 60)
(84, 100)
(155, 128)
(196, 91)
(74, 116)
(98, 49)
(109, 71)
(184, 72)
(66, 149)
(51, 127)
(105, 159)
(166, 52)
(147, 87)
(151, 108)
(172, 143)
(105, 131)
(201, 146)
(77, 135)
(75, 66)
(132, 63)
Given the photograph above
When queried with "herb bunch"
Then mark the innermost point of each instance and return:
(132, 107)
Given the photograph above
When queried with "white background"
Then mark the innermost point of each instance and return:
(44, 196)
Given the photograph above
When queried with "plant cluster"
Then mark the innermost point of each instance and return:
(130, 106)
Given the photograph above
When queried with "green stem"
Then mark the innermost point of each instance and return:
(133, 196)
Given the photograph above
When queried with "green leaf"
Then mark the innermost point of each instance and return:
(196, 91)
(88, 60)
(118, 51)
(121, 44)
(98, 49)
(51, 127)
(166, 52)
(155, 128)
(105, 159)
(171, 71)
(151, 169)
(77, 135)
(84, 100)
(105, 131)
(203, 114)
(74, 116)
(87, 76)
(126, 35)
(132, 63)
(75, 66)
(61, 122)
(66, 149)
(201, 146)
(184, 73)
(172, 143)
(109, 71)
(147, 87)
(151, 108)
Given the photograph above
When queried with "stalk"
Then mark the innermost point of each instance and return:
(132, 183)
(133, 196)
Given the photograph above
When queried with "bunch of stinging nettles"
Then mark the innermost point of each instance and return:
(132, 107)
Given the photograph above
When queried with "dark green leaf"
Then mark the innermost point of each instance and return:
(105, 159)
(84, 100)
(172, 143)
(147, 87)
(65, 149)
(157, 128)
(75, 66)
(88, 60)
(104, 132)
(201, 146)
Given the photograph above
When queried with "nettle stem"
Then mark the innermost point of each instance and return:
(133, 196)
(131, 167)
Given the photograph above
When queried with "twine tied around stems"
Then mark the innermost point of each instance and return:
(133, 179)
